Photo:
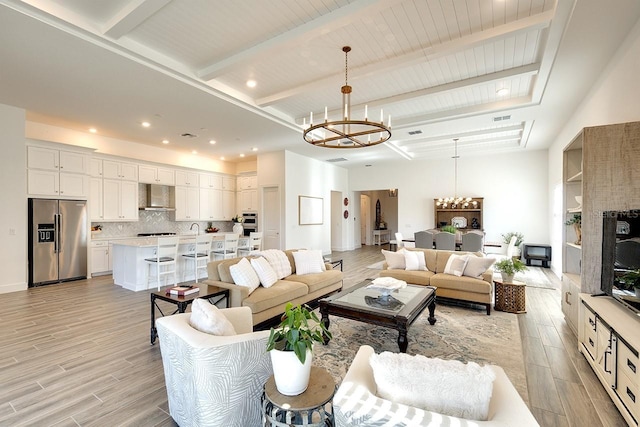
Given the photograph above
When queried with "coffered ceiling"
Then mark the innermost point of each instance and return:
(436, 66)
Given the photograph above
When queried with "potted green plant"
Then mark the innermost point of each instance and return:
(449, 229)
(576, 221)
(631, 279)
(509, 267)
(290, 345)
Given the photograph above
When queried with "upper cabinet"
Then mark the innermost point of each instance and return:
(155, 175)
(187, 178)
(210, 180)
(119, 170)
(229, 183)
(59, 173)
(247, 182)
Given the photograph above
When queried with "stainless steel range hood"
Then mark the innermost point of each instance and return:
(157, 199)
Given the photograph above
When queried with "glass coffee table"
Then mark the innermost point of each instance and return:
(396, 311)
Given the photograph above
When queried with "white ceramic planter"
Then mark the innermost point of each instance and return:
(291, 376)
(507, 278)
(237, 228)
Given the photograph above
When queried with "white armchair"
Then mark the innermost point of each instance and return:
(214, 380)
(356, 403)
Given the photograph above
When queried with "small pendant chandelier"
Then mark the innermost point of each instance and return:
(347, 133)
(456, 202)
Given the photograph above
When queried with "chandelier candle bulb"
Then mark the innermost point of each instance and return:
(389, 123)
(381, 116)
(326, 115)
(366, 115)
(311, 118)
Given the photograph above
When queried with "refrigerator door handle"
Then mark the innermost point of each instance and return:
(57, 225)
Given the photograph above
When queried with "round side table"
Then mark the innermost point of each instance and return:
(510, 297)
(314, 407)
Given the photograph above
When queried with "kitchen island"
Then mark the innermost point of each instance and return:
(130, 268)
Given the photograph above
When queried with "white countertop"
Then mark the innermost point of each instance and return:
(143, 242)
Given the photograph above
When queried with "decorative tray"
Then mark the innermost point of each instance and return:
(386, 285)
(459, 222)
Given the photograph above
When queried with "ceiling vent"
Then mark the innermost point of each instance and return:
(415, 132)
(501, 118)
(337, 159)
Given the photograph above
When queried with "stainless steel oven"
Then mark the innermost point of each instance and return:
(250, 223)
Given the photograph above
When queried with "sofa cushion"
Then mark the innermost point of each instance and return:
(455, 265)
(319, 280)
(476, 266)
(409, 276)
(447, 387)
(244, 275)
(207, 318)
(395, 260)
(467, 284)
(265, 272)
(223, 269)
(414, 260)
(308, 262)
(279, 261)
(280, 293)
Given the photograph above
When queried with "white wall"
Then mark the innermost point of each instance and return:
(613, 99)
(309, 177)
(514, 187)
(13, 215)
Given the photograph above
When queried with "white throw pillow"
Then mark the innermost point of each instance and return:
(455, 265)
(265, 272)
(208, 318)
(308, 262)
(395, 260)
(244, 275)
(279, 261)
(414, 260)
(477, 265)
(447, 387)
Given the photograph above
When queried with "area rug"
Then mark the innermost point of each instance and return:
(460, 333)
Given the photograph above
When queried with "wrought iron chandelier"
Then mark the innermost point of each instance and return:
(456, 202)
(347, 133)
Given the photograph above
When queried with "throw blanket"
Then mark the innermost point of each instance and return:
(278, 261)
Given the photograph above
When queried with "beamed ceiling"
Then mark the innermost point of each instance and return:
(436, 66)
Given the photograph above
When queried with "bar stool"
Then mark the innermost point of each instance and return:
(253, 245)
(199, 253)
(165, 256)
(228, 248)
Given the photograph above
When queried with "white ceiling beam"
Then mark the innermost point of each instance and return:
(461, 135)
(539, 21)
(293, 38)
(132, 15)
(421, 147)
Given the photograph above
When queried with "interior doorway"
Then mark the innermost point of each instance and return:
(386, 218)
(271, 218)
(365, 220)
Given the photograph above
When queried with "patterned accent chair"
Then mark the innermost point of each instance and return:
(214, 380)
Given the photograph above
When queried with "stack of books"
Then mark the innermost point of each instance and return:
(182, 290)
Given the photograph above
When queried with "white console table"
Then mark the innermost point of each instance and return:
(380, 237)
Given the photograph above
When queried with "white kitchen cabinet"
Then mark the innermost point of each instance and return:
(247, 182)
(570, 300)
(187, 203)
(96, 201)
(100, 258)
(95, 168)
(211, 204)
(119, 170)
(210, 180)
(228, 205)
(155, 175)
(51, 183)
(248, 201)
(187, 179)
(120, 200)
(57, 160)
(229, 183)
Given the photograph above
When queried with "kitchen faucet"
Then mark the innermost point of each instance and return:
(197, 225)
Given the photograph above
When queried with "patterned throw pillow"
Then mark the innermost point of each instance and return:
(456, 264)
(308, 262)
(208, 318)
(265, 272)
(278, 261)
(244, 275)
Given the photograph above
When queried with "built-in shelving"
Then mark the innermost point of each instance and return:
(573, 245)
(575, 178)
(444, 216)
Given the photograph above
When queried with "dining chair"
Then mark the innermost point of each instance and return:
(164, 260)
(445, 241)
(424, 239)
(472, 242)
(228, 248)
(253, 244)
(199, 254)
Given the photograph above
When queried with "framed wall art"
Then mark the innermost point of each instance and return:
(310, 210)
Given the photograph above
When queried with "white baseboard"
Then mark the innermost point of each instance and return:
(13, 287)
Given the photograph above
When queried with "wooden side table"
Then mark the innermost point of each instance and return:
(510, 297)
(314, 407)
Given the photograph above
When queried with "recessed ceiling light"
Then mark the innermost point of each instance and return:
(212, 141)
(502, 91)
(242, 155)
(93, 130)
(254, 149)
(146, 124)
(367, 166)
(251, 83)
(222, 158)
(165, 141)
(194, 152)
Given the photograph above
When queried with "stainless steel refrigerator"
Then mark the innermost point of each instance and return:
(57, 241)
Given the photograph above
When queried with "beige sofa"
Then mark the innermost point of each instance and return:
(448, 286)
(267, 303)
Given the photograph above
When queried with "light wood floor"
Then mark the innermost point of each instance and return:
(78, 353)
